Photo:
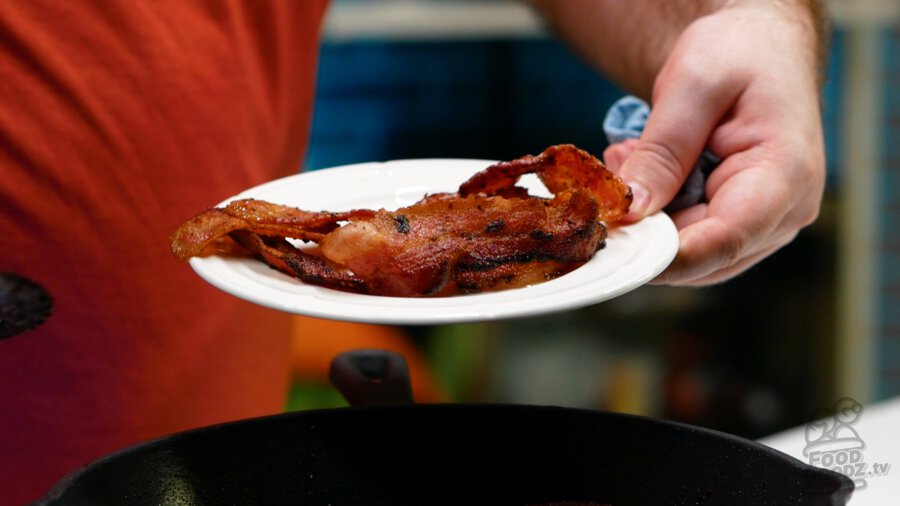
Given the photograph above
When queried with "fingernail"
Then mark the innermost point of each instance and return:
(640, 201)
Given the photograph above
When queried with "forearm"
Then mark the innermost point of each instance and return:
(631, 40)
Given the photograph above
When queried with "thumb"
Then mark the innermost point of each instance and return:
(676, 133)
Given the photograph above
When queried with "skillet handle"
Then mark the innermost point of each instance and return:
(825, 487)
(372, 378)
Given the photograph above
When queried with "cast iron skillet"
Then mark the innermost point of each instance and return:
(421, 455)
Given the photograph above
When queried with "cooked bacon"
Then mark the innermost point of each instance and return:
(197, 234)
(489, 235)
(280, 254)
(560, 168)
(419, 249)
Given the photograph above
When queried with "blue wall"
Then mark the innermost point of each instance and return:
(491, 99)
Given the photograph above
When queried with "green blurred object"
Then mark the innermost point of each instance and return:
(458, 354)
(306, 395)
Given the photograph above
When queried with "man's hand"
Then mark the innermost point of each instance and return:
(741, 80)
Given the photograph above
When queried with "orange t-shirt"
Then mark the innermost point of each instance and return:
(118, 121)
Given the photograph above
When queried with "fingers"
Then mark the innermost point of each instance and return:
(727, 273)
(759, 199)
(748, 218)
(723, 91)
(688, 105)
(614, 156)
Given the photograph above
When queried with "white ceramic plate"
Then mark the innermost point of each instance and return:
(634, 254)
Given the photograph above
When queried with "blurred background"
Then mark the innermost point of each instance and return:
(816, 322)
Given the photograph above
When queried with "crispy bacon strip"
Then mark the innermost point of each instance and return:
(445, 238)
(194, 237)
(560, 168)
(489, 235)
(280, 254)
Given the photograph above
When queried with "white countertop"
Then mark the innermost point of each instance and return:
(866, 440)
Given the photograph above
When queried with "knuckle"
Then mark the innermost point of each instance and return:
(694, 73)
(734, 246)
(810, 216)
(664, 160)
(732, 251)
(810, 190)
